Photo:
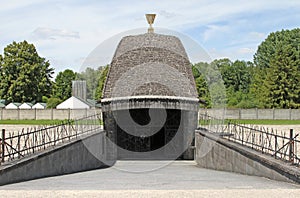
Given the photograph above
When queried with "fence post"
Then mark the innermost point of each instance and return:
(276, 145)
(291, 153)
(3, 145)
(256, 113)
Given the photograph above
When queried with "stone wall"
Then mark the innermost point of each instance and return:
(254, 114)
(45, 114)
(59, 114)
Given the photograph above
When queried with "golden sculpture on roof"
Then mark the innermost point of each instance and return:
(150, 18)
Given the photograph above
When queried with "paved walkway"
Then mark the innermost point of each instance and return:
(179, 178)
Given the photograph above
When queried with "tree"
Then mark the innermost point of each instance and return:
(237, 77)
(24, 75)
(63, 84)
(276, 81)
(283, 78)
(53, 102)
(266, 50)
(209, 84)
(91, 76)
(101, 81)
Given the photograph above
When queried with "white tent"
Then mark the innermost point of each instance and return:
(13, 105)
(39, 105)
(73, 103)
(25, 105)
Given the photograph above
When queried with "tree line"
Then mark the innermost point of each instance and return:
(27, 77)
(271, 80)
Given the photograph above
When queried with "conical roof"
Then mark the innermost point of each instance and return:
(150, 65)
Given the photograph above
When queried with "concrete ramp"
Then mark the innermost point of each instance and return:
(86, 153)
(216, 153)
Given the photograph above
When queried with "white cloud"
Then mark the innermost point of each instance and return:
(245, 50)
(256, 35)
(50, 33)
(213, 31)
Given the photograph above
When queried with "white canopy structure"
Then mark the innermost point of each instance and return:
(73, 103)
(39, 105)
(25, 105)
(13, 105)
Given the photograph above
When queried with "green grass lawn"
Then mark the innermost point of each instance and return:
(31, 122)
(269, 122)
(259, 122)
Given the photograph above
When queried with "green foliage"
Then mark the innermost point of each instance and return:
(91, 76)
(24, 75)
(63, 84)
(283, 78)
(209, 84)
(53, 102)
(276, 79)
(101, 82)
(32, 122)
(44, 99)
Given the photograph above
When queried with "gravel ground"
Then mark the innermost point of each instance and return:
(276, 193)
(206, 189)
(177, 179)
(285, 128)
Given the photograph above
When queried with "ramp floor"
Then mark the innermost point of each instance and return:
(151, 175)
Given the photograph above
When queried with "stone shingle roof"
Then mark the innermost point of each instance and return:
(150, 65)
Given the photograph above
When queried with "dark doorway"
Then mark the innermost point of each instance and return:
(139, 143)
(158, 140)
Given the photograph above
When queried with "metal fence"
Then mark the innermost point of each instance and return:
(15, 145)
(280, 145)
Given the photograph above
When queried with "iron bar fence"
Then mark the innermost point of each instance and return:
(15, 145)
(279, 144)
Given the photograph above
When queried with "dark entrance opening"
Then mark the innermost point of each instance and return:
(138, 142)
(158, 139)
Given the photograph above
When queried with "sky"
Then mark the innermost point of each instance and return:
(67, 32)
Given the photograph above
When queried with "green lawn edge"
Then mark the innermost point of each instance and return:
(31, 122)
(259, 122)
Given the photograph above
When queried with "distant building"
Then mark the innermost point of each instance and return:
(79, 89)
(13, 105)
(39, 105)
(25, 105)
(73, 103)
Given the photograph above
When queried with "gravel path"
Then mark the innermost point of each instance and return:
(178, 179)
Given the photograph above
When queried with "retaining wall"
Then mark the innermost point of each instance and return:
(216, 153)
(78, 155)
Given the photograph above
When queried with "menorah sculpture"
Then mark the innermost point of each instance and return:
(150, 18)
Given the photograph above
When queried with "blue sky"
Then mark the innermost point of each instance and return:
(66, 32)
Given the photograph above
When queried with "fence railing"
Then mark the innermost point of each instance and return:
(279, 144)
(15, 145)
